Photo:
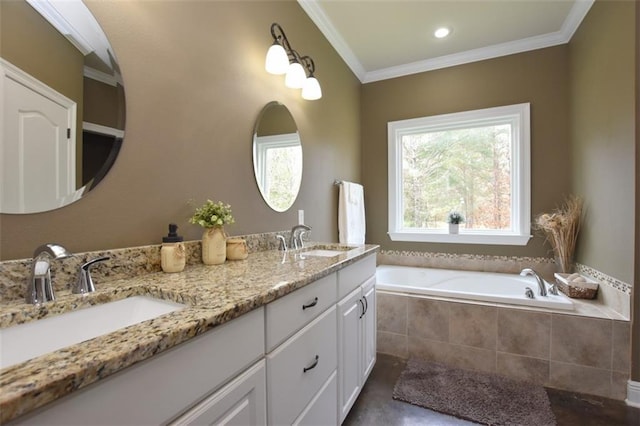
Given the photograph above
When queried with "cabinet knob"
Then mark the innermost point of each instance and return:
(312, 366)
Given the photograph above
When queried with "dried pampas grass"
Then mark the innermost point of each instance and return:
(561, 229)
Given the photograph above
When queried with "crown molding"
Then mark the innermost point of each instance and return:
(569, 27)
(481, 54)
(317, 15)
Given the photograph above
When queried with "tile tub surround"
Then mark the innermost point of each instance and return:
(576, 353)
(216, 294)
(613, 298)
(124, 263)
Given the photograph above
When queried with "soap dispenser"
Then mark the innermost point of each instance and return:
(172, 253)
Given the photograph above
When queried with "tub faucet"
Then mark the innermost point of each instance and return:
(541, 286)
(39, 288)
(295, 241)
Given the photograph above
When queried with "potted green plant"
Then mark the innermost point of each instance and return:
(212, 217)
(454, 219)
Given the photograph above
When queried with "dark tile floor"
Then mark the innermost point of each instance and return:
(375, 406)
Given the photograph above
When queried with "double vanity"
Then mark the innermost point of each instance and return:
(279, 338)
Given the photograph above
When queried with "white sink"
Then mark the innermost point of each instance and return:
(323, 253)
(29, 340)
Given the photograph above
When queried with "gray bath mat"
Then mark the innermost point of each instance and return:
(480, 397)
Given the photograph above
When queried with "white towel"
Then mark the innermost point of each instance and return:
(351, 221)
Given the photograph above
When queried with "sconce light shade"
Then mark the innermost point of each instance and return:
(295, 77)
(282, 58)
(311, 89)
(277, 61)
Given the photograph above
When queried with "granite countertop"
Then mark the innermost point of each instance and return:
(214, 295)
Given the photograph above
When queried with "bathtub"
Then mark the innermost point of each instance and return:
(479, 286)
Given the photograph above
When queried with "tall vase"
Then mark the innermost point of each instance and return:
(565, 266)
(214, 246)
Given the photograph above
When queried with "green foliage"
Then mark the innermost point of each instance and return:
(455, 218)
(283, 177)
(212, 214)
(463, 170)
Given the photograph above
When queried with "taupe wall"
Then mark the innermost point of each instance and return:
(104, 104)
(604, 126)
(539, 77)
(195, 83)
(602, 134)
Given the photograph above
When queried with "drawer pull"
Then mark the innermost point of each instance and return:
(310, 305)
(312, 366)
(362, 304)
(366, 304)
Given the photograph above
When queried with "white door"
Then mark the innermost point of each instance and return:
(349, 351)
(369, 329)
(37, 150)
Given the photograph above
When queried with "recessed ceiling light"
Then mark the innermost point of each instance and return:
(442, 32)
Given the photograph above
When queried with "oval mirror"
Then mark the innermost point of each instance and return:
(63, 102)
(277, 156)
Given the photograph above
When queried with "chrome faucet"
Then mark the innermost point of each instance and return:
(283, 242)
(295, 241)
(84, 282)
(39, 288)
(541, 286)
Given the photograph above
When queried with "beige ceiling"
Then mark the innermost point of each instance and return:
(381, 39)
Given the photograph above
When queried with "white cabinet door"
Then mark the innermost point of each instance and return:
(242, 402)
(350, 310)
(369, 327)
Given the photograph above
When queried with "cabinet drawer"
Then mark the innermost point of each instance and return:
(289, 314)
(322, 410)
(353, 275)
(289, 387)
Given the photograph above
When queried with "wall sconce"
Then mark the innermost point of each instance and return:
(283, 59)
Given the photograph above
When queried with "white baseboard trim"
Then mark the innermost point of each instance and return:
(633, 394)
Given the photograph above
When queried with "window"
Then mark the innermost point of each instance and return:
(279, 163)
(474, 162)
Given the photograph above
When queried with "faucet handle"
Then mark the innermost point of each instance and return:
(283, 242)
(84, 282)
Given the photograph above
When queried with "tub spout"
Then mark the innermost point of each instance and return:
(541, 286)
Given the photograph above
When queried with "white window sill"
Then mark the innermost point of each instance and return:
(461, 238)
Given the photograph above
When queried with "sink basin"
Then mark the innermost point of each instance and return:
(25, 341)
(323, 253)
(326, 250)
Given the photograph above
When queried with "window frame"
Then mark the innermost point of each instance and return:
(263, 144)
(518, 116)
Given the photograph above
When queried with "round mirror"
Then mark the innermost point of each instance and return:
(277, 156)
(63, 102)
